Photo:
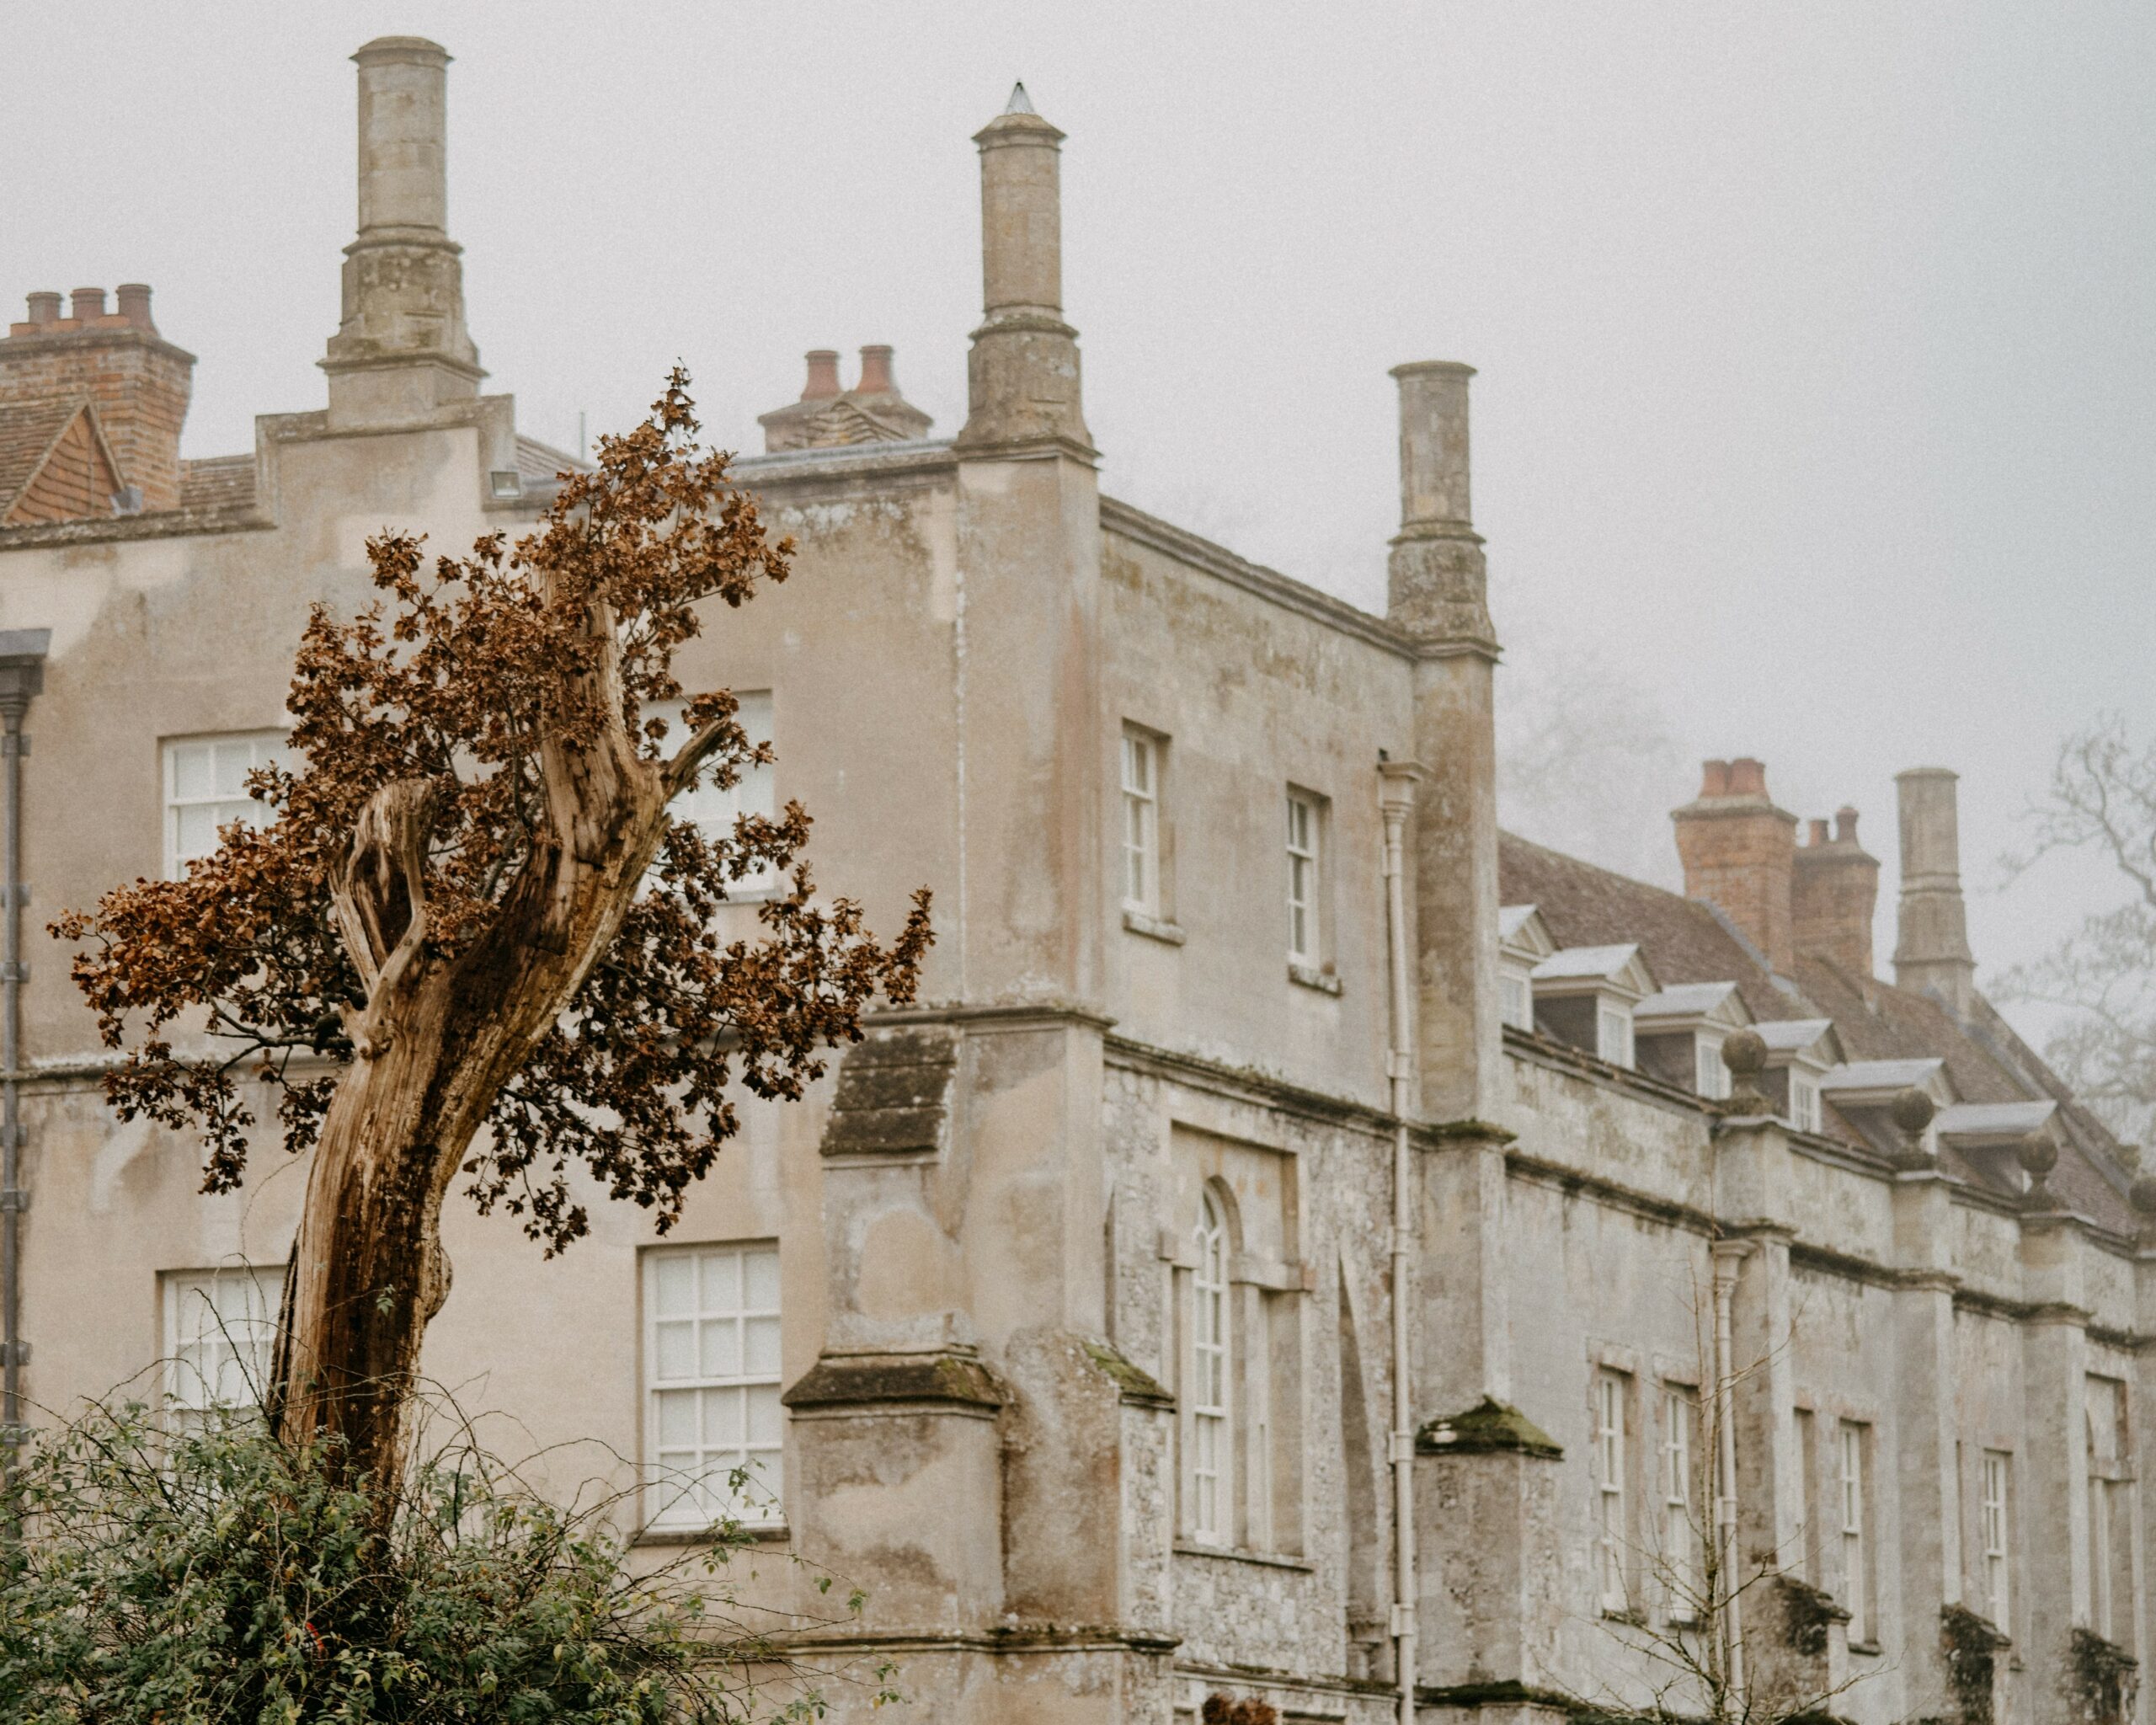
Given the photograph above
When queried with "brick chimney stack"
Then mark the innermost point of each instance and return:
(1739, 853)
(1931, 948)
(1022, 374)
(1834, 892)
(138, 382)
(401, 348)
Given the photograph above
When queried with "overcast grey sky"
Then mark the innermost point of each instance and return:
(1817, 399)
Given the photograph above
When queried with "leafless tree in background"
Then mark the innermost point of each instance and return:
(2102, 800)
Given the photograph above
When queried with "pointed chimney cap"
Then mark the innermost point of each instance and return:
(1020, 102)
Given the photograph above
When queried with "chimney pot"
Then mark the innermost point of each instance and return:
(1845, 825)
(1818, 832)
(132, 300)
(876, 372)
(1748, 777)
(823, 374)
(1714, 778)
(44, 308)
(89, 304)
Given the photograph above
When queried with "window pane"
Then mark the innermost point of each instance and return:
(677, 1418)
(763, 1346)
(677, 1350)
(766, 1418)
(761, 1269)
(674, 1283)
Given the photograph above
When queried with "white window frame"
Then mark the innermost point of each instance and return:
(1710, 1076)
(1856, 1553)
(1515, 999)
(730, 1324)
(1681, 1532)
(1612, 1530)
(220, 1339)
(1142, 754)
(1806, 1456)
(712, 810)
(1305, 839)
(1212, 1449)
(1803, 1101)
(1995, 1528)
(228, 801)
(1612, 1031)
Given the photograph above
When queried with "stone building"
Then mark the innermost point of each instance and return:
(1305, 1238)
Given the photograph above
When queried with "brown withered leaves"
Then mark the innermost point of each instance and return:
(476, 675)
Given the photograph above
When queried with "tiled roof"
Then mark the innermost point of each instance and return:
(537, 462)
(28, 430)
(1685, 941)
(1587, 907)
(217, 481)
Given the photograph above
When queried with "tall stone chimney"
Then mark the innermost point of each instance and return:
(138, 382)
(1931, 947)
(402, 349)
(1021, 375)
(1834, 891)
(1436, 584)
(1739, 853)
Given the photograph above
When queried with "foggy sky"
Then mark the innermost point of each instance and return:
(1818, 391)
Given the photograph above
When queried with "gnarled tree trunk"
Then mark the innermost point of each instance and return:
(438, 1039)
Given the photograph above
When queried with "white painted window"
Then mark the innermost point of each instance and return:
(1856, 1553)
(1801, 1561)
(2104, 1416)
(1680, 1524)
(1515, 999)
(1303, 831)
(1803, 1101)
(1141, 823)
(1614, 1034)
(1210, 1517)
(205, 788)
(219, 1335)
(714, 1430)
(1611, 1531)
(1998, 1483)
(1712, 1077)
(712, 810)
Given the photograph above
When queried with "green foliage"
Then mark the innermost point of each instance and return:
(156, 1579)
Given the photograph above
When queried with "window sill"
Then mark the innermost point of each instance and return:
(1236, 1554)
(1868, 1647)
(1312, 976)
(1152, 927)
(1625, 1615)
(769, 1533)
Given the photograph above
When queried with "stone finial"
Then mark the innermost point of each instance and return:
(1744, 1053)
(1912, 1112)
(2142, 1196)
(2038, 1156)
(1022, 375)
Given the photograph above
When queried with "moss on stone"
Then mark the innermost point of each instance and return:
(1490, 1425)
(1136, 1386)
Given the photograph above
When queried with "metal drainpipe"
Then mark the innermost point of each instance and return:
(22, 674)
(1728, 1255)
(1395, 798)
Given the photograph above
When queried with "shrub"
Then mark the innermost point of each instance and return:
(150, 1579)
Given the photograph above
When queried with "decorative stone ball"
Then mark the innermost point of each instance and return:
(1744, 1052)
(2037, 1154)
(1912, 1110)
(2144, 1193)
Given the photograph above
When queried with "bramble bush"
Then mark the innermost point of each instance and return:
(154, 1578)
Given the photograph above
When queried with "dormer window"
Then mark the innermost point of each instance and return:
(1522, 943)
(1585, 995)
(1801, 1052)
(1679, 1033)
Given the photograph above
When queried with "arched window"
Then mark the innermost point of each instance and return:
(1209, 1425)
